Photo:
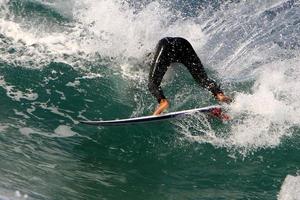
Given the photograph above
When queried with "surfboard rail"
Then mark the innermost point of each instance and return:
(151, 118)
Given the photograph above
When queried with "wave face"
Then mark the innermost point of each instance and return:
(62, 61)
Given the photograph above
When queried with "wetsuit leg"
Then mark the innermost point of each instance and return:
(189, 58)
(161, 62)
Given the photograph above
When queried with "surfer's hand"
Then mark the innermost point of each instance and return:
(222, 98)
(163, 105)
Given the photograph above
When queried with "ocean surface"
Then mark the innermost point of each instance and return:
(62, 61)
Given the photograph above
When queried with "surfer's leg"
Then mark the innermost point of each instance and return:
(158, 69)
(189, 58)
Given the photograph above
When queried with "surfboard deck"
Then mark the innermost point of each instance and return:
(152, 118)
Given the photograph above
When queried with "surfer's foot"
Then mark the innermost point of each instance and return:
(222, 98)
(163, 105)
(218, 113)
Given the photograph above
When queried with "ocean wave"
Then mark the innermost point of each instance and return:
(247, 45)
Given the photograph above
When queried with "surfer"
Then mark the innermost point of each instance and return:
(178, 50)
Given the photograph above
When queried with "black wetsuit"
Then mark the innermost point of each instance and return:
(177, 50)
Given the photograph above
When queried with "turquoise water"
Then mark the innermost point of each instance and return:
(65, 61)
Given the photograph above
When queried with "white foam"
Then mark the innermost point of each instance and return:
(270, 110)
(129, 34)
(27, 131)
(21, 114)
(73, 84)
(36, 45)
(246, 50)
(290, 189)
(90, 75)
(260, 118)
(60, 131)
(56, 110)
(62, 95)
(241, 37)
(64, 131)
(3, 127)
(198, 128)
(16, 94)
(132, 33)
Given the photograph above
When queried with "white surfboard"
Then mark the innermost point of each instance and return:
(152, 118)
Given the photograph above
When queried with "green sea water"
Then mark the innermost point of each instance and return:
(66, 61)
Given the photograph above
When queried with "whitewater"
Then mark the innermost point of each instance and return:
(62, 61)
